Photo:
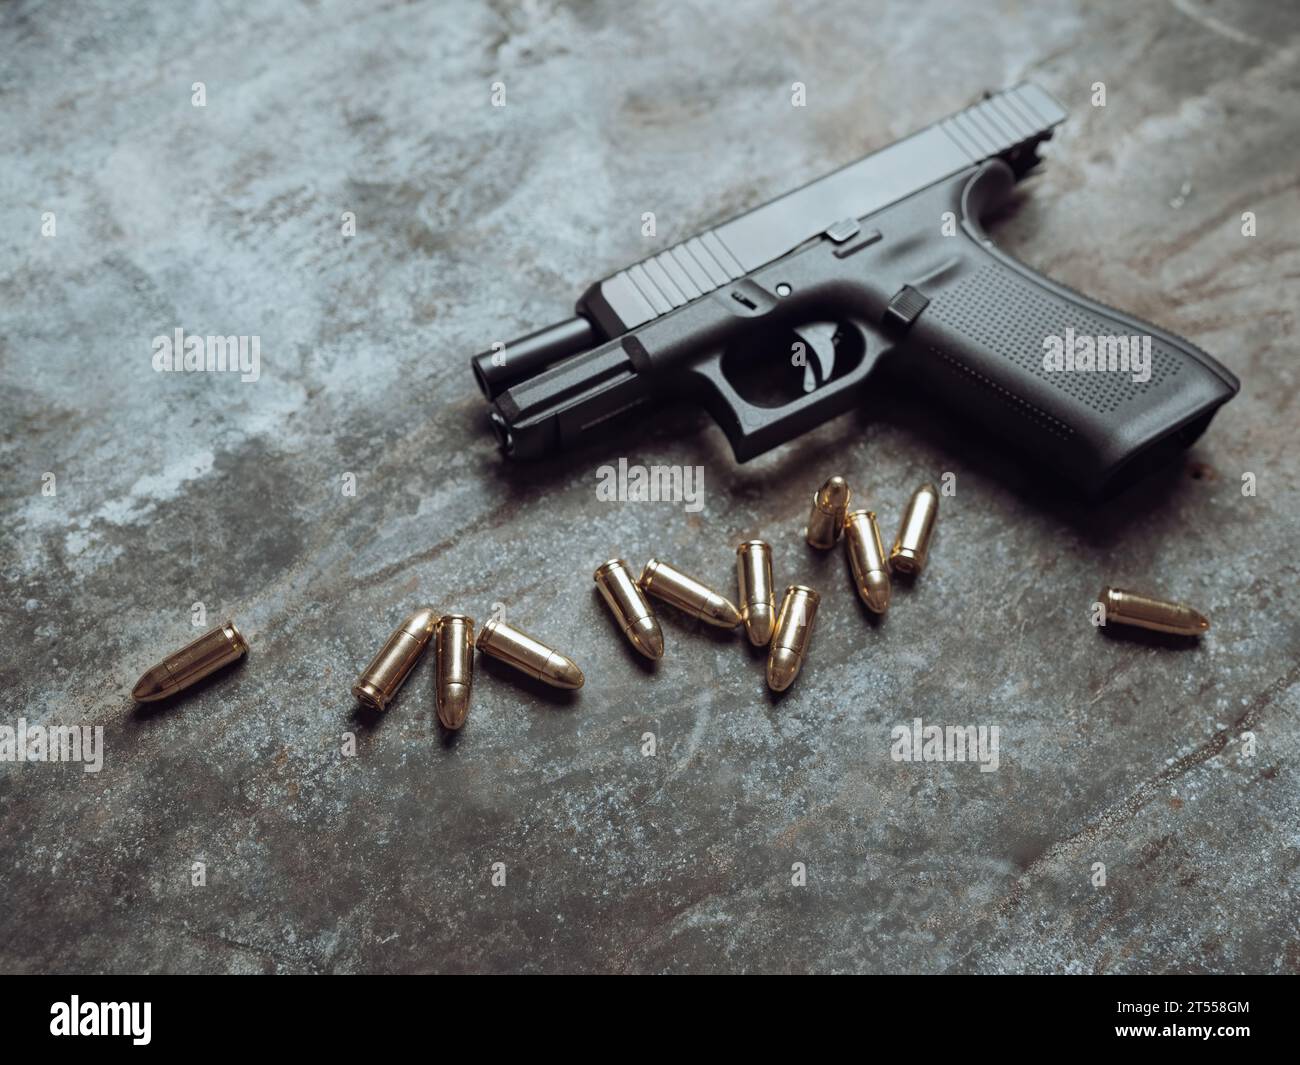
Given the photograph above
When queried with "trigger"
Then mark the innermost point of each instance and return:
(819, 338)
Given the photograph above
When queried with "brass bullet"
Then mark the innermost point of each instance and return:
(867, 557)
(499, 640)
(388, 670)
(794, 625)
(913, 543)
(193, 662)
(1159, 615)
(453, 652)
(757, 595)
(826, 520)
(623, 597)
(688, 595)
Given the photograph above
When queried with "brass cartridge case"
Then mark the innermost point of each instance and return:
(453, 650)
(912, 546)
(1146, 612)
(388, 670)
(826, 519)
(867, 557)
(794, 625)
(757, 594)
(193, 662)
(630, 609)
(506, 643)
(688, 595)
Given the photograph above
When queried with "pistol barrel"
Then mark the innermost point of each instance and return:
(504, 365)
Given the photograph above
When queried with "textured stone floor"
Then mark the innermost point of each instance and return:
(475, 223)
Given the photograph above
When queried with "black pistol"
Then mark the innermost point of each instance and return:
(775, 319)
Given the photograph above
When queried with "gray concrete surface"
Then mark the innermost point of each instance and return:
(476, 223)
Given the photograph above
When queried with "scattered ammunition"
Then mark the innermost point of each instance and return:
(689, 595)
(623, 597)
(826, 521)
(1159, 615)
(380, 680)
(453, 651)
(867, 557)
(757, 596)
(794, 626)
(499, 640)
(191, 663)
(913, 544)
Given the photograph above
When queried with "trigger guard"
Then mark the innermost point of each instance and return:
(751, 429)
(735, 415)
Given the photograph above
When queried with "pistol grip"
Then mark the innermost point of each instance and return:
(983, 340)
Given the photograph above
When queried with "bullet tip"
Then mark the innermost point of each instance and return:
(723, 613)
(564, 673)
(758, 625)
(834, 493)
(875, 591)
(453, 705)
(647, 637)
(420, 625)
(148, 689)
(782, 668)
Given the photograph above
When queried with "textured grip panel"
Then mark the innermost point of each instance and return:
(1016, 405)
(1023, 314)
(980, 343)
